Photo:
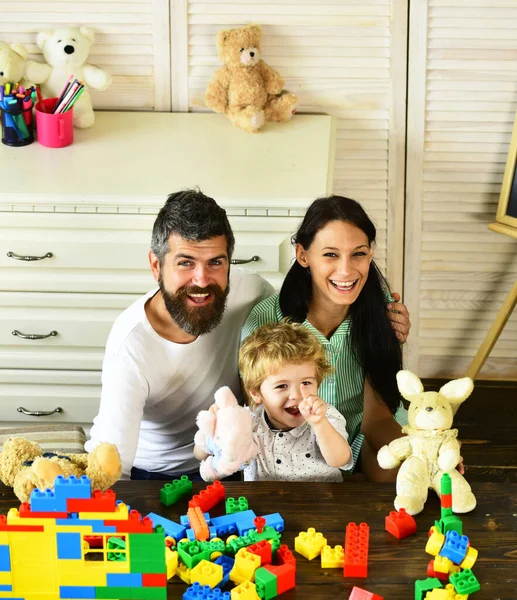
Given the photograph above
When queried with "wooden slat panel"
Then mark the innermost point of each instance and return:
(347, 66)
(132, 43)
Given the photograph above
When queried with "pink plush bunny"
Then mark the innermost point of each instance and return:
(226, 434)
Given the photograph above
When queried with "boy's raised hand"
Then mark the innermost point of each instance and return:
(312, 407)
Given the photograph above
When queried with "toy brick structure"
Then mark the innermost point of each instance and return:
(72, 543)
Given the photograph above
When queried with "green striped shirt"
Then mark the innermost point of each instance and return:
(344, 388)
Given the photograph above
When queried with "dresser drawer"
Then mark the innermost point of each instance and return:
(71, 329)
(76, 394)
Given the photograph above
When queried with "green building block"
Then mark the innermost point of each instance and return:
(465, 582)
(192, 553)
(115, 593)
(234, 506)
(452, 523)
(172, 492)
(149, 593)
(266, 585)
(422, 586)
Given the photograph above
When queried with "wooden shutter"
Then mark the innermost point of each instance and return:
(462, 98)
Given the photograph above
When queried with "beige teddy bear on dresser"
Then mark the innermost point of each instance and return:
(430, 447)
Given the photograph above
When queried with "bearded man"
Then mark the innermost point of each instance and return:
(173, 348)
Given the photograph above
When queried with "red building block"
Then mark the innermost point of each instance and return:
(446, 500)
(26, 513)
(264, 550)
(285, 556)
(154, 579)
(356, 550)
(360, 594)
(5, 527)
(285, 576)
(400, 524)
(99, 502)
(432, 573)
(209, 497)
(134, 524)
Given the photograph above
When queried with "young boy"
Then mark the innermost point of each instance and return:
(300, 437)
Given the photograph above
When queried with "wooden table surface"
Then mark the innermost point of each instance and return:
(394, 565)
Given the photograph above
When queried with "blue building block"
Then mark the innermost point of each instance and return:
(68, 545)
(202, 592)
(184, 520)
(6, 587)
(76, 591)
(227, 524)
(227, 564)
(171, 528)
(244, 526)
(72, 487)
(46, 502)
(455, 547)
(5, 558)
(124, 579)
(275, 521)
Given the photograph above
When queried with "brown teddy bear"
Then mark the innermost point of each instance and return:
(246, 89)
(24, 467)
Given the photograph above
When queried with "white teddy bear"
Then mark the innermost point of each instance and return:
(430, 447)
(66, 51)
(12, 63)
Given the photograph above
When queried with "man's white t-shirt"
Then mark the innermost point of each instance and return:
(152, 389)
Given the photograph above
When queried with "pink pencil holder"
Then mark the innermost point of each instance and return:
(54, 131)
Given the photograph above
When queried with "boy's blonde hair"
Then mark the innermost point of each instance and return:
(275, 345)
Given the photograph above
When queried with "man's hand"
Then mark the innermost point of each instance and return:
(399, 317)
(312, 407)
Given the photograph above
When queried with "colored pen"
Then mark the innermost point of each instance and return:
(40, 100)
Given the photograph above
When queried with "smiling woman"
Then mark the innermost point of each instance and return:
(336, 290)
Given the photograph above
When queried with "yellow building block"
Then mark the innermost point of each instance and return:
(435, 542)
(309, 543)
(332, 558)
(5, 578)
(171, 560)
(206, 573)
(245, 591)
(183, 572)
(120, 514)
(442, 564)
(246, 563)
(470, 558)
(4, 538)
(88, 572)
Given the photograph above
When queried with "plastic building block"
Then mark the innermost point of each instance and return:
(245, 591)
(400, 524)
(202, 592)
(265, 583)
(422, 586)
(356, 550)
(191, 553)
(68, 545)
(198, 524)
(264, 550)
(450, 523)
(124, 579)
(285, 576)
(309, 543)
(446, 495)
(435, 543)
(227, 524)
(206, 573)
(455, 547)
(99, 502)
(209, 497)
(431, 572)
(332, 558)
(5, 558)
(360, 594)
(470, 559)
(465, 582)
(437, 594)
(76, 591)
(245, 566)
(172, 492)
(25, 512)
(133, 524)
(170, 527)
(284, 555)
(442, 564)
(171, 562)
(259, 523)
(236, 505)
(183, 572)
(275, 521)
(154, 579)
(227, 564)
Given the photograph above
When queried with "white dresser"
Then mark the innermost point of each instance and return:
(75, 227)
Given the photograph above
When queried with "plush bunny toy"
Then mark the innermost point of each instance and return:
(430, 447)
(226, 434)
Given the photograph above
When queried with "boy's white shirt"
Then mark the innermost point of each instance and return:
(293, 455)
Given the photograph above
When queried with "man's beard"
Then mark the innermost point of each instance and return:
(195, 321)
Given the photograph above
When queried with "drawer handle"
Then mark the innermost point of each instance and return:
(29, 258)
(39, 413)
(33, 336)
(239, 261)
